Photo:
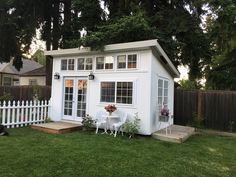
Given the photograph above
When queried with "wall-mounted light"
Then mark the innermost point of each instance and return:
(91, 76)
(56, 76)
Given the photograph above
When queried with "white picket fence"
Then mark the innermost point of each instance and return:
(15, 114)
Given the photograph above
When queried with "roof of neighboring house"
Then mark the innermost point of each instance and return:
(129, 46)
(28, 65)
(36, 72)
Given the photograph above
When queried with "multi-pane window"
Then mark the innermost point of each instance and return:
(85, 64)
(162, 92)
(132, 61)
(67, 64)
(108, 92)
(100, 63)
(127, 62)
(117, 92)
(7, 81)
(104, 62)
(68, 101)
(71, 64)
(64, 64)
(121, 61)
(124, 92)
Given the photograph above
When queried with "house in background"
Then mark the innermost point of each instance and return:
(10, 76)
(34, 77)
(135, 76)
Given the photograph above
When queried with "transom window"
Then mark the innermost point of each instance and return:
(85, 64)
(162, 92)
(104, 62)
(67, 64)
(129, 61)
(117, 92)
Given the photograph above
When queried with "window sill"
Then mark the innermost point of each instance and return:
(128, 106)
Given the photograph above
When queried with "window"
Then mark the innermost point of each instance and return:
(132, 61)
(127, 62)
(124, 92)
(85, 64)
(162, 92)
(117, 92)
(100, 63)
(71, 64)
(67, 64)
(7, 81)
(121, 62)
(104, 63)
(108, 92)
(32, 81)
(63, 64)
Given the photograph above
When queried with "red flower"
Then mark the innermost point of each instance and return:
(110, 108)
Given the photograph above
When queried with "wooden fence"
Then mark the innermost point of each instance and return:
(217, 108)
(15, 114)
(26, 92)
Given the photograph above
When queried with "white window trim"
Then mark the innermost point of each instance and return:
(163, 79)
(67, 64)
(84, 70)
(104, 69)
(119, 104)
(126, 62)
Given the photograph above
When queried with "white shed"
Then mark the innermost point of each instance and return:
(135, 76)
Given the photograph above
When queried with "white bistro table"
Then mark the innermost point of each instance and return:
(109, 120)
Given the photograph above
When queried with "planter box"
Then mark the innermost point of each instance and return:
(163, 118)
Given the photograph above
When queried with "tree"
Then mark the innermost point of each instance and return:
(221, 26)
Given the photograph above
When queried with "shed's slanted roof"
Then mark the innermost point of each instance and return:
(36, 72)
(28, 65)
(129, 46)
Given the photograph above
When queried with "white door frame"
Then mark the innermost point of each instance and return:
(73, 116)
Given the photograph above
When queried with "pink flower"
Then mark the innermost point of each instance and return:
(110, 108)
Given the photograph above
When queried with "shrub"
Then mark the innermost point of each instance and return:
(6, 97)
(198, 121)
(132, 127)
(87, 122)
(231, 126)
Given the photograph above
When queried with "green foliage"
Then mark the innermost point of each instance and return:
(188, 85)
(37, 92)
(231, 125)
(87, 122)
(39, 57)
(6, 97)
(128, 28)
(132, 127)
(198, 121)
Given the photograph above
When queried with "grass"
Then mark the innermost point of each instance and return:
(30, 153)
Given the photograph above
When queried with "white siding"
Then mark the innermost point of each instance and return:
(158, 71)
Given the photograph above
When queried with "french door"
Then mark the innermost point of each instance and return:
(75, 98)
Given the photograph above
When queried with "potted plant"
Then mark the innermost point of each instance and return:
(87, 123)
(110, 108)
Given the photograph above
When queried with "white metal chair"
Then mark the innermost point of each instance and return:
(101, 120)
(118, 126)
(165, 120)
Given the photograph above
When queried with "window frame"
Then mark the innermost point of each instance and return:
(127, 61)
(68, 64)
(104, 63)
(85, 64)
(164, 80)
(10, 79)
(115, 96)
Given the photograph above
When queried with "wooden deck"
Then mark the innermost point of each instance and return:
(178, 134)
(57, 127)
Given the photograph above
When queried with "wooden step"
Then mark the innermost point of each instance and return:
(57, 127)
(178, 134)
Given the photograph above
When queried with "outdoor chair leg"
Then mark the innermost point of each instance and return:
(96, 130)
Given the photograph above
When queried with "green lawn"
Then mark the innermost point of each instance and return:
(30, 153)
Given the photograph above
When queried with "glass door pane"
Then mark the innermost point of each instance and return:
(68, 97)
(81, 100)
